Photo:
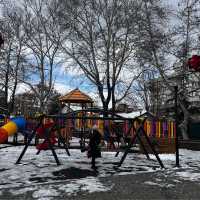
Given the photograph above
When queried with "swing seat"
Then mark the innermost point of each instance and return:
(41, 135)
(41, 130)
(45, 145)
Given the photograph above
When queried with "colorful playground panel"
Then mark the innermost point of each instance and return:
(11, 127)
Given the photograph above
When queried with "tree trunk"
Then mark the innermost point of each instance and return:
(41, 109)
(184, 125)
(105, 108)
(113, 101)
(12, 102)
(184, 128)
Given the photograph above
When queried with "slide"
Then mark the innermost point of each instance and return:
(11, 128)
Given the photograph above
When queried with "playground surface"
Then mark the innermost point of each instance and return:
(38, 176)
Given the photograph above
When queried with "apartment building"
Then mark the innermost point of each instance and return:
(162, 98)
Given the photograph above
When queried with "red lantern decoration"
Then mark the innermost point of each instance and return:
(194, 63)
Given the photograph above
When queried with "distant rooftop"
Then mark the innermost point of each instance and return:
(76, 96)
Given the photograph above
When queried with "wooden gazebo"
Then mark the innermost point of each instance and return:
(77, 97)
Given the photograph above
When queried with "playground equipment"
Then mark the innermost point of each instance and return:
(40, 132)
(161, 130)
(12, 127)
(102, 116)
(46, 131)
(49, 129)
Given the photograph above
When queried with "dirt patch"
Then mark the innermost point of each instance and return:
(74, 173)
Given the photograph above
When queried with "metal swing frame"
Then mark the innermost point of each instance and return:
(47, 135)
(138, 132)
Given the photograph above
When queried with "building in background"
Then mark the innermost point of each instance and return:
(162, 99)
(26, 104)
(126, 108)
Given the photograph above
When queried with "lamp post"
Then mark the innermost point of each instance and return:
(176, 126)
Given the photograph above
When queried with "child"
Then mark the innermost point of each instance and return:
(93, 147)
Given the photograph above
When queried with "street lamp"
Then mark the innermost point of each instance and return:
(176, 125)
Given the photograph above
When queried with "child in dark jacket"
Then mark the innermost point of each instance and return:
(94, 150)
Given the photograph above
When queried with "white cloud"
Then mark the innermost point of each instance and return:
(21, 88)
(62, 88)
(70, 68)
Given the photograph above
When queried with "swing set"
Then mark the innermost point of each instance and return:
(49, 129)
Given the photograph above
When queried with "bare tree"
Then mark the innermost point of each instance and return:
(42, 52)
(172, 43)
(100, 40)
(188, 30)
(12, 57)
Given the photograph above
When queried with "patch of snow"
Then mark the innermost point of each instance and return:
(169, 185)
(158, 180)
(164, 157)
(70, 188)
(160, 184)
(90, 184)
(22, 191)
(45, 192)
(192, 176)
(176, 181)
(151, 183)
(123, 173)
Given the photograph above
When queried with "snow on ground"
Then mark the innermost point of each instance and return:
(40, 175)
(159, 184)
(45, 193)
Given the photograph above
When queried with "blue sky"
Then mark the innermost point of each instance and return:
(71, 81)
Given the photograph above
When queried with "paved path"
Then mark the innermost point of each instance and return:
(124, 187)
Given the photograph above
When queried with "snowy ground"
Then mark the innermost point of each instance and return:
(39, 177)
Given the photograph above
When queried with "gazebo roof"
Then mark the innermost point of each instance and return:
(76, 96)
